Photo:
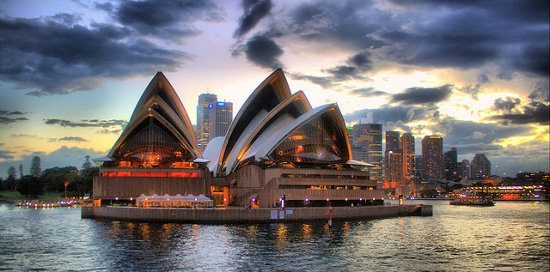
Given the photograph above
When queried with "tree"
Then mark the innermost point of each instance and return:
(35, 167)
(30, 186)
(11, 179)
(54, 178)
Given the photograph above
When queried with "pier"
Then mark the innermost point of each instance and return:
(256, 215)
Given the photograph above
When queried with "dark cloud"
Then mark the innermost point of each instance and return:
(263, 51)
(367, 92)
(321, 81)
(506, 103)
(513, 35)
(347, 23)
(6, 155)
(167, 19)
(8, 117)
(68, 139)
(419, 95)
(460, 133)
(3, 112)
(88, 123)
(472, 91)
(533, 113)
(254, 11)
(388, 114)
(56, 55)
(354, 68)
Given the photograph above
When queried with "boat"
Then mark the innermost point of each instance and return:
(473, 201)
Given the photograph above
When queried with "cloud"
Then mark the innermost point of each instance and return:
(367, 92)
(388, 114)
(68, 139)
(3, 112)
(165, 19)
(48, 56)
(354, 68)
(263, 51)
(88, 123)
(109, 131)
(23, 135)
(506, 103)
(319, 80)
(6, 155)
(63, 156)
(8, 117)
(419, 95)
(533, 113)
(254, 11)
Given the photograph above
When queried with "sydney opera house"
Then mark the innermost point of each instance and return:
(278, 151)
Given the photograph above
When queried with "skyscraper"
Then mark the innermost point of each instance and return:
(36, 170)
(480, 167)
(433, 167)
(407, 147)
(224, 116)
(451, 164)
(393, 160)
(213, 118)
(367, 147)
(465, 169)
(392, 140)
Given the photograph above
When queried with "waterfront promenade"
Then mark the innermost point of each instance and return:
(256, 215)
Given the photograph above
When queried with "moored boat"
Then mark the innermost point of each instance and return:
(473, 201)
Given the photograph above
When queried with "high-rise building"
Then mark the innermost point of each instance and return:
(451, 164)
(433, 166)
(465, 169)
(36, 169)
(367, 143)
(224, 116)
(418, 162)
(407, 148)
(392, 140)
(393, 160)
(213, 118)
(480, 167)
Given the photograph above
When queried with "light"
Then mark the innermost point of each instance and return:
(210, 106)
(328, 199)
(221, 104)
(307, 199)
(360, 199)
(346, 199)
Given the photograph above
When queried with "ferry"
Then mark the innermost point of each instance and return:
(473, 201)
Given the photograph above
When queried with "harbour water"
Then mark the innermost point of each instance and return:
(511, 236)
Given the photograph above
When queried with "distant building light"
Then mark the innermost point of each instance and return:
(221, 104)
(210, 106)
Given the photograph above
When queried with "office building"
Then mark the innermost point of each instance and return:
(480, 167)
(433, 165)
(213, 118)
(451, 164)
(367, 140)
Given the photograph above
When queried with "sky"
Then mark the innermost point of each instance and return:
(475, 72)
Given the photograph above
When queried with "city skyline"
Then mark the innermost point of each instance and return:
(488, 95)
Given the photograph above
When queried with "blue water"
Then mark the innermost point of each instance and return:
(512, 236)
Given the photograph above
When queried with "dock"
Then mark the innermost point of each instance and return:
(254, 215)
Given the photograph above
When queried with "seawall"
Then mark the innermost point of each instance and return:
(256, 215)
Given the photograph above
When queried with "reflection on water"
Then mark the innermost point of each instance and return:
(511, 236)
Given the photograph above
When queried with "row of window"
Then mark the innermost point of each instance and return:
(325, 187)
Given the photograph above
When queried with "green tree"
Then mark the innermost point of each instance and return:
(30, 186)
(55, 178)
(11, 179)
